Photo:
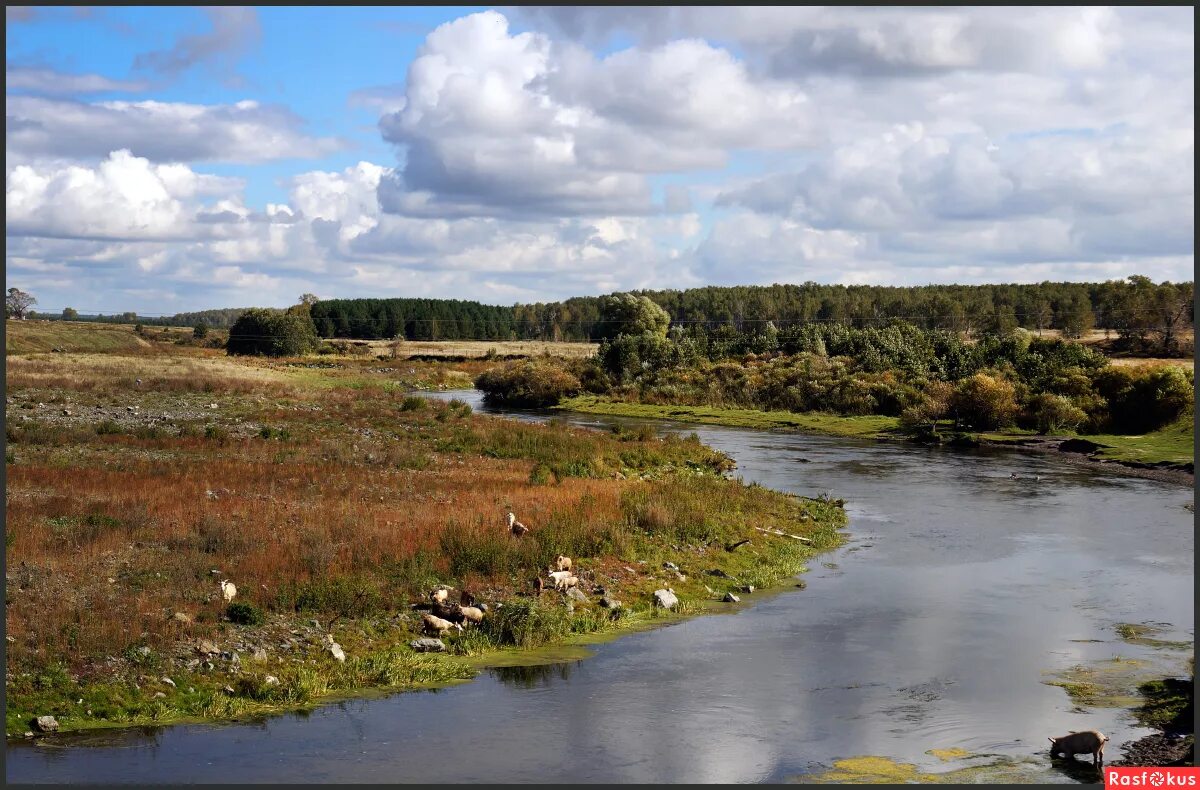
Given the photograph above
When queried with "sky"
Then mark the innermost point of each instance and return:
(160, 160)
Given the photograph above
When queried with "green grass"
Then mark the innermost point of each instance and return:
(866, 426)
(30, 337)
(1174, 444)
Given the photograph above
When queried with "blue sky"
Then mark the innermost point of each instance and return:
(163, 159)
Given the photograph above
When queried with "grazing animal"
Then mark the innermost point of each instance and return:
(538, 585)
(228, 590)
(516, 527)
(562, 563)
(466, 598)
(446, 611)
(563, 579)
(1086, 742)
(440, 594)
(436, 626)
(471, 614)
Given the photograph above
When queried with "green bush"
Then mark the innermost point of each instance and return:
(413, 403)
(273, 333)
(984, 402)
(1054, 414)
(531, 382)
(245, 614)
(541, 475)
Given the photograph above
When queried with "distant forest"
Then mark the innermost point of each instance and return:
(1134, 307)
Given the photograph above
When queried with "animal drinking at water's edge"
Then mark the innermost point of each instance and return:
(1086, 742)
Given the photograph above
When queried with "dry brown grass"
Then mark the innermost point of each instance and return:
(341, 492)
(481, 348)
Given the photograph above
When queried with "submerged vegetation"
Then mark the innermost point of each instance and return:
(334, 500)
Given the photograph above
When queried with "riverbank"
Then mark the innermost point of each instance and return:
(206, 680)
(1154, 456)
(334, 501)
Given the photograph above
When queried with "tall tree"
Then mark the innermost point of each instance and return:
(17, 303)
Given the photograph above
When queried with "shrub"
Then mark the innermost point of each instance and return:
(1054, 413)
(413, 403)
(529, 382)
(245, 614)
(273, 333)
(108, 427)
(1144, 399)
(541, 475)
(984, 402)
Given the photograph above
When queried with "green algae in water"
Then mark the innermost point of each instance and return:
(1105, 684)
(871, 769)
(945, 755)
(1142, 634)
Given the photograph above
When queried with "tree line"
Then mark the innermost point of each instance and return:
(1136, 309)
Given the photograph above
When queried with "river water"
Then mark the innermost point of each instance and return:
(959, 592)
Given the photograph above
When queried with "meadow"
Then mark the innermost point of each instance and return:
(140, 476)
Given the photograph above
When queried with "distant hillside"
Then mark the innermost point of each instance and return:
(29, 337)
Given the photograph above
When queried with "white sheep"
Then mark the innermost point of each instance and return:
(228, 590)
(471, 614)
(562, 563)
(436, 626)
(440, 594)
(563, 579)
(516, 527)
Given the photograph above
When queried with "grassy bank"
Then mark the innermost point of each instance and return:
(1173, 444)
(333, 501)
(867, 426)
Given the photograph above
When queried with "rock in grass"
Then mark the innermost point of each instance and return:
(670, 566)
(427, 645)
(271, 680)
(205, 647)
(749, 588)
(46, 724)
(336, 651)
(577, 594)
(665, 599)
(610, 603)
(731, 598)
(168, 681)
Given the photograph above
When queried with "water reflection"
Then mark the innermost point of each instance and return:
(533, 676)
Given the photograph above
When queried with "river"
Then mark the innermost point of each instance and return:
(958, 593)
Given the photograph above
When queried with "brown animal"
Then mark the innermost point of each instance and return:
(538, 585)
(1086, 742)
(562, 563)
(466, 598)
(516, 527)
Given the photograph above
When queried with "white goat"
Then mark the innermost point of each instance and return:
(562, 563)
(228, 590)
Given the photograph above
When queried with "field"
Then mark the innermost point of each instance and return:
(333, 499)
